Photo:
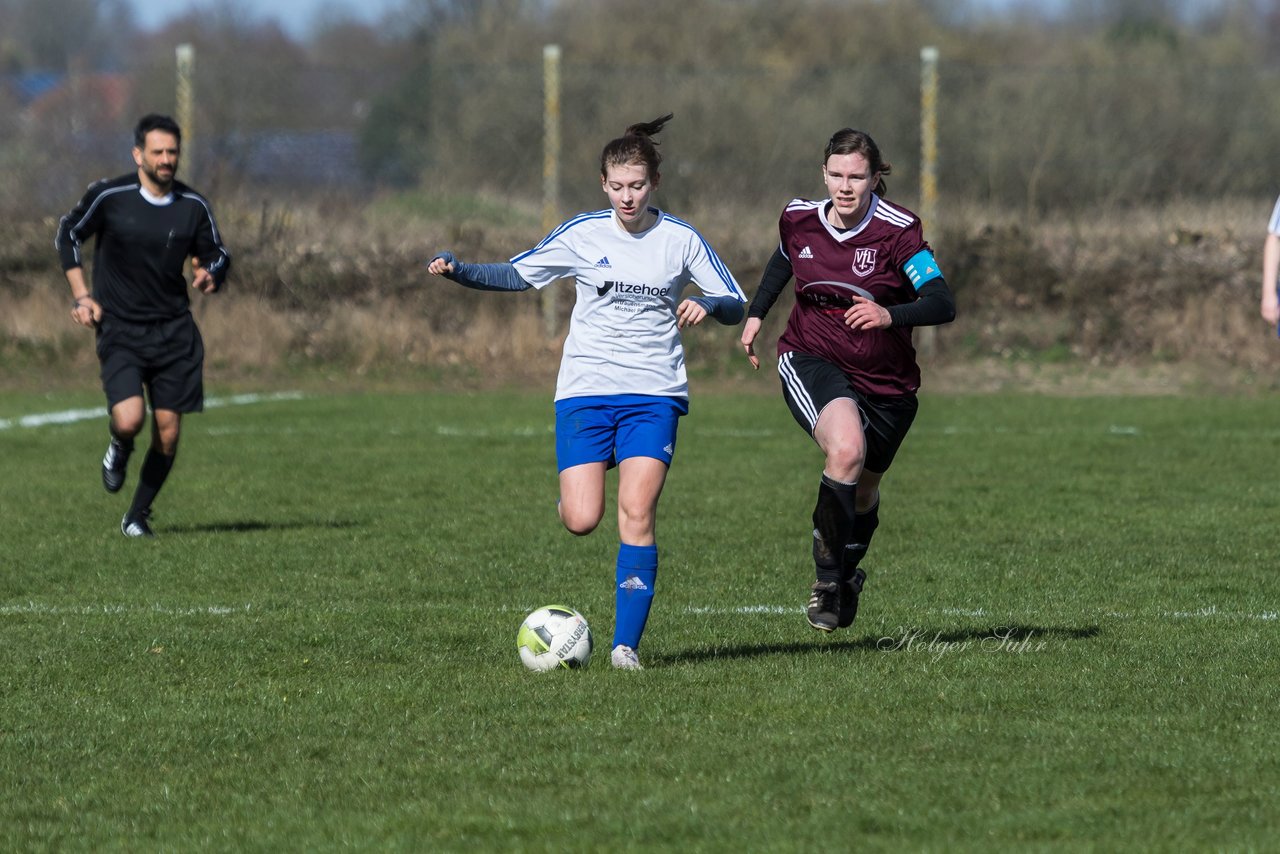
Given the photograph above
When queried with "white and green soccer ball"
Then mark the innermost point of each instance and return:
(554, 637)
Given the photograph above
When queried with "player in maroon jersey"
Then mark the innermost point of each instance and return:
(864, 277)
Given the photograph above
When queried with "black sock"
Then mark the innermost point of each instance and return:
(126, 444)
(833, 518)
(155, 468)
(864, 525)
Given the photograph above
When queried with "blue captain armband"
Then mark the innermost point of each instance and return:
(922, 267)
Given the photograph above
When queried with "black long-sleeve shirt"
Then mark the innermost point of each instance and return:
(935, 306)
(142, 246)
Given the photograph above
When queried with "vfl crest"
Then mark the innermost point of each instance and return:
(864, 261)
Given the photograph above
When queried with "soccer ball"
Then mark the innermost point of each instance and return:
(554, 636)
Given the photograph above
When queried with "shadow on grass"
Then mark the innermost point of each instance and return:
(242, 526)
(904, 639)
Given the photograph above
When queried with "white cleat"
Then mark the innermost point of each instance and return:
(625, 658)
(137, 526)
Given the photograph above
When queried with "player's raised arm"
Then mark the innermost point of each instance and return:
(481, 277)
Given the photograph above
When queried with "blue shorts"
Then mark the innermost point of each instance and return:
(612, 428)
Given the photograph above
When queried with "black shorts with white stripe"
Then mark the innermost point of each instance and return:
(810, 383)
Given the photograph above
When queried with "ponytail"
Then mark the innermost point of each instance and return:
(636, 146)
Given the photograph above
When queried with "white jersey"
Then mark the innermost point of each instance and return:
(622, 336)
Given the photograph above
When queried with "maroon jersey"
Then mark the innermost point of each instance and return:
(830, 266)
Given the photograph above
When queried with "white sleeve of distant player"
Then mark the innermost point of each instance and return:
(711, 275)
(549, 262)
(1273, 227)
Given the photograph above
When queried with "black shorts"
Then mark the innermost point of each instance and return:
(810, 383)
(167, 357)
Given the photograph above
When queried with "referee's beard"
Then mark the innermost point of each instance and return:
(163, 180)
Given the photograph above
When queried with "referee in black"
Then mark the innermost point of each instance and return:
(148, 226)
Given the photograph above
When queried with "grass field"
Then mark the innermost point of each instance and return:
(1068, 639)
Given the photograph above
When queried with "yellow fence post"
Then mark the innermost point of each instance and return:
(186, 56)
(550, 169)
(927, 339)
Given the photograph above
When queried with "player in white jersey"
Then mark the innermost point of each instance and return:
(1270, 265)
(622, 385)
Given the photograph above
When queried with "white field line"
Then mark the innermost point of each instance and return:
(549, 429)
(515, 432)
(71, 416)
(1123, 431)
(1211, 612)
(38, 610)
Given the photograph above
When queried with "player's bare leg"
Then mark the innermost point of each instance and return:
(640, 482)
(581, 504)
(839, 435)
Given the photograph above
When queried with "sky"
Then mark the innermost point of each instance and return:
(295, 16)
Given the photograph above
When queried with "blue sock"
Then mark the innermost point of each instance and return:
(636, 574)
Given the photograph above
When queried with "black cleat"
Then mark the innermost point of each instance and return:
(824, 606)
(137, 525)
(850, 589)
(115, 465)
